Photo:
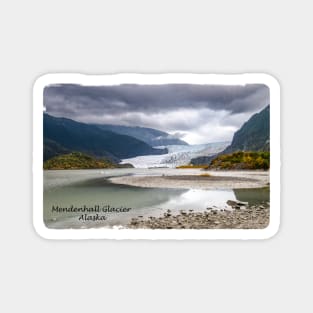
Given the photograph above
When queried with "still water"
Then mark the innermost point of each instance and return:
(91, 188)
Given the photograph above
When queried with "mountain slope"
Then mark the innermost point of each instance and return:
(52, 149)
(152, 137)
(241, 161)
(90, 139)
(254, 135)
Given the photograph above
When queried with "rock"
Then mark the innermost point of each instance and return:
(231, 202)
(234, 203)
(239, 216)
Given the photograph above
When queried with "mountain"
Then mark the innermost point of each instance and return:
(68, 135)
(152, 137)
(52, 149)
(254, 135)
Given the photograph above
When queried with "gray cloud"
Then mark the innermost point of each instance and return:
(184, 109)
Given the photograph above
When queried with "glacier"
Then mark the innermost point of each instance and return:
(177, 155)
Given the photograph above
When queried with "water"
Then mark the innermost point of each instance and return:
(91, 188)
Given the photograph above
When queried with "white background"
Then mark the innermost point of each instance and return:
(99, 37)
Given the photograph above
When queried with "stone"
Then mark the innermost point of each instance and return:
(236, 203)
(231, 202)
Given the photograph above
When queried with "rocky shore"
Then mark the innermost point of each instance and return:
(240, 215)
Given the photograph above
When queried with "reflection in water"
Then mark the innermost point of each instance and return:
(199, 200)
(90, 188)
(101, 192)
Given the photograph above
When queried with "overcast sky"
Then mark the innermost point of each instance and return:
(194, 113)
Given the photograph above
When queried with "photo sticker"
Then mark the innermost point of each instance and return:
(165, 156)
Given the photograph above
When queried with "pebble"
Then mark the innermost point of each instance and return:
(243, 217)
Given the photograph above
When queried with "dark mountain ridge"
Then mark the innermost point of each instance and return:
(151, 136)
(66, 135)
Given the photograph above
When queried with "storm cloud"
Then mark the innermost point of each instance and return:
(195, 113)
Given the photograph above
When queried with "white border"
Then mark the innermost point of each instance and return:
(116, 79)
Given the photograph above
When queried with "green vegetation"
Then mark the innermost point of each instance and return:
(242, 160)
(77, 160)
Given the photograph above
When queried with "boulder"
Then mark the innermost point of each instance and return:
(231, 202)
(236, 203)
